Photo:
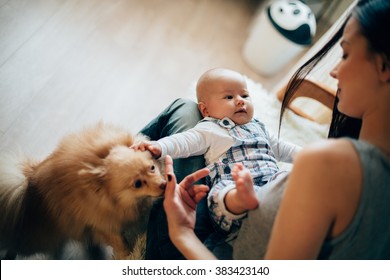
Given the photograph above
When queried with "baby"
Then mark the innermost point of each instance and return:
(240, 153)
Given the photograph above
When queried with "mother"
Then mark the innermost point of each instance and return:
(335, 204)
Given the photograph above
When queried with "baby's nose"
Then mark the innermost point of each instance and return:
(240, 100)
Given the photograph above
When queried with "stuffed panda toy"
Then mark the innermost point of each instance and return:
(294, 20)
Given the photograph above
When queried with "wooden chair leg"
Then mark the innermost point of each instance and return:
(313, 90)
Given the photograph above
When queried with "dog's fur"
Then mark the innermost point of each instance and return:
(90, 189)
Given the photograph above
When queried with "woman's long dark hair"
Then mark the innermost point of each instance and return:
(373, 16)
(341, 124)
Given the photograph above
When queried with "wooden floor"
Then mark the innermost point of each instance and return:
(65, 64)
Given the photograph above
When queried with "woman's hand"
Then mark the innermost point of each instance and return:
(180, 206)
(181, 199)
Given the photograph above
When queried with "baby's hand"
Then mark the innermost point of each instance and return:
(152, 147)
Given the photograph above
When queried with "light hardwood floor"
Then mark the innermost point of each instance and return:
(65, 64)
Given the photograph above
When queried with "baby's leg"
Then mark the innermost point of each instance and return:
(243, 197)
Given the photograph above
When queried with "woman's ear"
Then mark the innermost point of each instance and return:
(386, 70)
(203, 109)
(383, 66)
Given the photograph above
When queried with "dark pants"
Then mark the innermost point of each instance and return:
(180, 116)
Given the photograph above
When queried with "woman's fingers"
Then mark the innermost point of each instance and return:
(190, 194)
(189, 180)
(200, 195)
(169, 177)
(168, 165)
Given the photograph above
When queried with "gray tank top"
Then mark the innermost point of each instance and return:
(368, 235)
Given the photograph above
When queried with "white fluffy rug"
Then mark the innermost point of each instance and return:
(295, 129)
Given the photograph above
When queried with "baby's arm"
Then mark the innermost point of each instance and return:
(152, 146)
(284, 151)
(180, 145)
(193, 142)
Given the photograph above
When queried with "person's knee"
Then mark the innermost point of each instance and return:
(189, 111)
(184, 115)
(179, 102)
(181, 115)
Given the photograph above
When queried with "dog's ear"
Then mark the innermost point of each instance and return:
(94, 174)
(98, 171)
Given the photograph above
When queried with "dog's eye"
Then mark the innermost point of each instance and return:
(138, 184)
(152, 168)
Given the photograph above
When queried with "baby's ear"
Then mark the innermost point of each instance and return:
(203, 109)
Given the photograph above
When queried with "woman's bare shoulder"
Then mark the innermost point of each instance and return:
(319, 201)
(330, 149)
(331, 163)
(331, 174)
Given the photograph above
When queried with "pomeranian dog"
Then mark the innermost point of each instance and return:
(93, 189)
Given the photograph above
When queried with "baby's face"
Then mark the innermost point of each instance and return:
(228, 96)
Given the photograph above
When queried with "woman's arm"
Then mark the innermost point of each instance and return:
(320, 199)
(190, 246)
(180, 206)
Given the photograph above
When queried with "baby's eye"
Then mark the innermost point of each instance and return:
(245, 96)
(138, 184)
(228, 97)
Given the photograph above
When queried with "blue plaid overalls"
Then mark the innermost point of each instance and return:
(251, 148)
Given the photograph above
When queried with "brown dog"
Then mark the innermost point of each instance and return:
(89, 189)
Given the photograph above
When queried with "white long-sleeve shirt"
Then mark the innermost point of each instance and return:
(213, 141)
